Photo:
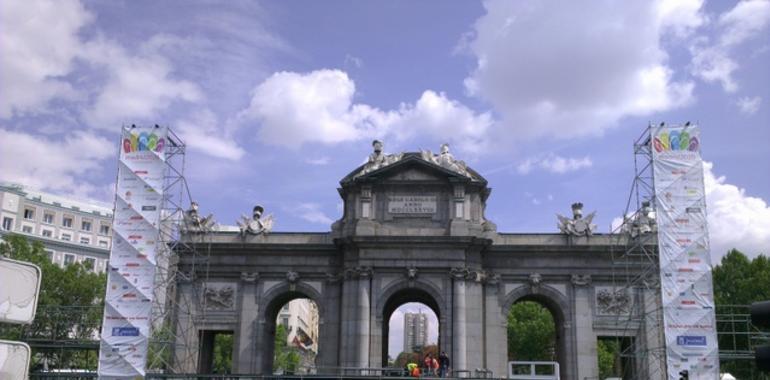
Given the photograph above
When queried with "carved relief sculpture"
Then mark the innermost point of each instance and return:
(535, 279)
(612, 302)
(255, 225)
(219, 296)
(577, 226)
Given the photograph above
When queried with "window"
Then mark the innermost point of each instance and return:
(66, 237)
(89, 263)
(7, 223)
(47, 233)
(85, 240)
(104, 229)
(29, 213)
(49, 253)
(26, 229)
(103, 243)
(48, 218)
(69, 259)
(86, 225)
(67, 221)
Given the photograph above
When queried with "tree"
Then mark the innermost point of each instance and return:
(285, 358)
(739, 281)
(70, 305)
(531, 332)
(608, 352)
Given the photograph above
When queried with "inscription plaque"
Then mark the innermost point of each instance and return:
(412, 204)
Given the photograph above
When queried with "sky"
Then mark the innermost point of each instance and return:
(278, 101)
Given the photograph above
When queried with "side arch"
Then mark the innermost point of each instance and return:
(559, 307)
(269, 306)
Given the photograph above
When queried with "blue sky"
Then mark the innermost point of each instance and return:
(278, 101)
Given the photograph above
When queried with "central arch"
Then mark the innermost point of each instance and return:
(406, 292)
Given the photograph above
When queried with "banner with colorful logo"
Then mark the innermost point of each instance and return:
(685, 261)
(131, 271)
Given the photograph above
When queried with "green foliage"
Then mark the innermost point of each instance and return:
(531, 332)
(70, 305)
(739, 281)
(285, 358)
(223, 353)
(608, 354)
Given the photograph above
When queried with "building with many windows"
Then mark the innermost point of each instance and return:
(300, 318)
(415, 331)
(71, 230)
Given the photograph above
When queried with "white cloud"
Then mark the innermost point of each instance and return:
(554, 164)
(54, 164)
(41, 44)
(713, 62)
(204, 133)
(563, 69)
(312, 213)
(139, 85)
(749, 105)
(735, 219)
(747, 19)
(292, 109)
(39, 41)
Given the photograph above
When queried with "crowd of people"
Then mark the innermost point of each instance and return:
(431, 366)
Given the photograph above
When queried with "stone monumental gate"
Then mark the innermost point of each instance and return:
(413, 230)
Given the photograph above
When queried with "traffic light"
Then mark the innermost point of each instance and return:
(684, 374)
(760, 317)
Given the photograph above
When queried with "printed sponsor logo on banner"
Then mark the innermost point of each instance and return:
(691, 340)
(693, 210)
(675, 141)
(125, 331)
(149, 208)
(143, 141)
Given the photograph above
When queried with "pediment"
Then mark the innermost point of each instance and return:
(411, 167)
(412, 174)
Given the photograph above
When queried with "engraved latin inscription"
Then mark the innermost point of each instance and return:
(412, 204)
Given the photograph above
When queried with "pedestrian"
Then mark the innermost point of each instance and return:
(427, 363)
(414, 369)
(443, 362)
(434, 367)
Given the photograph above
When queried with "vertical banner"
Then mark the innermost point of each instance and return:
(685, 261)
(128, 302)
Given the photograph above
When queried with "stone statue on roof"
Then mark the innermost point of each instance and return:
(255, 225)
(378, 159)
(194, 223)
(446, 160)
(577, 226)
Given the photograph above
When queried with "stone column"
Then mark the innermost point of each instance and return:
(364, 314)
(186, 347)
(347, 336)
(587, 363)
(496, 325)
(245, 355)
(459, 335)
(652, 336)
